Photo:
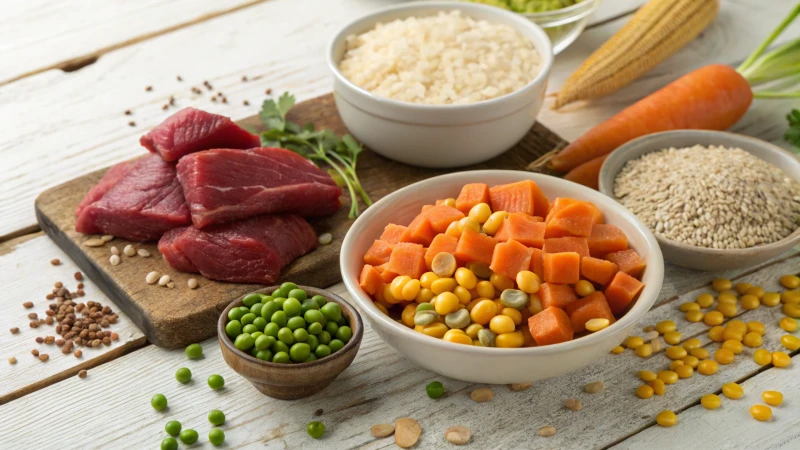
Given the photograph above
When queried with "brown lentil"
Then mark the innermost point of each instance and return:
(82, 374)
(35, 352)
(481, 395)
(44, 357)
(14, 330)
(131, 124)
(573, 404)
(78, 353)
(39, 340)
(382, 430)
(546, 431)
(12, 360)
(55, 261)
(148, 88)
(594, 387)
(458, 435)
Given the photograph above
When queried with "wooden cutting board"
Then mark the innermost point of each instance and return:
(177, 317)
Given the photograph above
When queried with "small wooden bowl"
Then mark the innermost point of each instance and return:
(292, 381)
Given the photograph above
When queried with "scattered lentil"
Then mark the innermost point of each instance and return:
(458, 435)
(44, 357)
(129, 250)
(192, 283)
(594, 387)
(164, 280)
(406, 432)
(143, 253)
(482, 395)
(82, 374)
(12, 360)
(573, 404)
(114, 260)
(546, 431)
(152, 277)
(55, 261)
(14, 330)
(382, 430)
(94, 243)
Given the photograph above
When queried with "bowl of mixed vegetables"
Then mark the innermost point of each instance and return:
(562, 20)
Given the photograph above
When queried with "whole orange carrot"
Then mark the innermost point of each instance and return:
(713, 97)
(587, 173)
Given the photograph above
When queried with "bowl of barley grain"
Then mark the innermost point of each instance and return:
(714, 200)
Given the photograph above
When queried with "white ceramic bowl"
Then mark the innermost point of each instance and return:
(494, 365)
(440, 135)
(702, 258)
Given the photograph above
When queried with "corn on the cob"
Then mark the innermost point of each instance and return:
(659, 29)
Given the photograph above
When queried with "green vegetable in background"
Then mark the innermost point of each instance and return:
(793, 133)
(324, 145)
(529, 6)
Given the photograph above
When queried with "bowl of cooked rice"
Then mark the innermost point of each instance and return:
(440, 84)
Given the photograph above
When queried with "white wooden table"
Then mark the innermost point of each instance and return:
(68, 70)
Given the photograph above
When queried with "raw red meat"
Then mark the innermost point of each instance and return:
(249, 251)
(137, 200)
(191, 130)
(224, 185)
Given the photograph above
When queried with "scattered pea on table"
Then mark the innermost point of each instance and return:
(173, 428)
(216, 382)
(315, 429)
(194, 351)
(159, 402)
(435, 389)
(189, 436)
(216, 436)
(216, 417)
(183, 375)
(169, 444)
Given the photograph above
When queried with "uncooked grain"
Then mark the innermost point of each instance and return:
(713, 197)
(129, 250)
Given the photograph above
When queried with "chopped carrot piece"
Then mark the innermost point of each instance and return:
(593, 306)
(420, 231)
(572, 220)
(386, 274)
(621, 292)
(426, 207)
(522, 228)
(408, 259)
(562, 202)
(392, 233)
(628, 261)
(558, 295)
(370, 280)
(562, 268)
(510, 258)
(567, 244)
(551, 326)
(537, 262)
(605, 239)
(522, 196)
(442, 243)
(441, 216)
(472, 194)
(378, 253)
(475, 247)
(598, 270)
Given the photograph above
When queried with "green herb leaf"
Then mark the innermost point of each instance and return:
(793, 133)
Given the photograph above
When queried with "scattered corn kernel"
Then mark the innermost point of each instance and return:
(644, 350)
(727, 309)
(750, 302)
(689, 306)
(443, 285)
(534, 304)
(732, 335)
(773, 398)
(633, 341)
(727, 298)
(707, 367)
(672, 337)
(597, 324)
(676, 352)
(436, 329)
(501, 282)
(514, 314)
(710, 401)
(788, 324)
(451, 202)
(427, 279)
(657, 344)
(646, 375)
(694, 316)
(770, 299)
(721, 284)
(741, 288)
(485, 289)
(617, 350)
(668, 376)
(700, 353)
(704, 300)
(713, 318)
(407, 316)
(762, 357)
(667, 418)
(684, 371)
(732, 391)
(691, 361)
(724, 356)
(761, 412)
(790, 281)
(756, 291)
(792, 310)
(658, 385)
(756, 327)
(464, 277)
(792, 296)
(501, 324)
(644, 391)
(733, 345)
(584, 288)
(666, 326)
(692, 343)
(675, 364)
(483, 312)
(468, 223)
(480, 212)
(753, 339)
(737, 325)
(515, 339)
(780, 359)
(715, 333)
(424, 296)
(529, 282)
(463, 294)
(457, 337)
(790, 342)
(494, 221)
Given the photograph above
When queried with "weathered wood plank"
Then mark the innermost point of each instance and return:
(27, 275)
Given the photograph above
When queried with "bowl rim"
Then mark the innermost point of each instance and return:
(655, 266)
(585, 7)
(620, 154)
(375, 16)
(354, 341)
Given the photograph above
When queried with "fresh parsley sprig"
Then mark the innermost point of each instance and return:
(793, 133)
(340, 154)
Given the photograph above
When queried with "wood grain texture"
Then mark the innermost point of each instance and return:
(379, 387)
(27, 275)
(175, 318)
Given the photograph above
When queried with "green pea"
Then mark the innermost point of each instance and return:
(322, 350)
(336, 345)
(292, 307)
(216, 382)
(279, 318)
(315, 328)
(331, 327)
(286, 336)
(247, 318)
(311, 357)
(260, 323)
(332, 311)
(308, 305)
(216, 417)
(299, 352)
(233, 329)
(300, 335)
(249, 328)
(298, 294)
(189, 436)
(281, 357)
(315, 429)
(269, 309)
(344, 333)
(435, 389)
(256, 335)
(279, 301)
(169, 444)
(288, 286)
(320, 300)
(295, 323)
(251, 299)
(216, 436)
(235, 314)
(244, 341)
(256, 309)
(158, 402)
(324, 337)
(312, 342)
(244, 309)
(278, 347)
(183, 375)
(425, 307)
(173, 428)
(265, 298)
(264, 355)
(341, 321)
(262, 342)
(271, 329)
(194, 351)
(253, 352)
(314, 316)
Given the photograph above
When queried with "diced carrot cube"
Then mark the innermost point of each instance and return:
(562, 268)
(408, 259)
(426, 207)
(522, 228)
(572, 220)
(537, 218)
(621, 292)
(392, 233)
(605, 239)
(558, 295)
(386, 275)
(522, 196)
(562, 202)
(420, 231)
(441, 216)
(567, 244)
(593, 306)
(475, 247)
(628, 261)
(598, 270)
(378, 253)
(537, 262)
(472, 194)
(551, 326)
(510, 258)
(441, 243)
(370, 280)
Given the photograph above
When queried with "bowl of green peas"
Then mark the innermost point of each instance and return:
(290, 341)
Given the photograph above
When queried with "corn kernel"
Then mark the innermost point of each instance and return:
(724, 356)
(468, 223)
(387, 295)
(485, 289)
(721, 284)
(732, 391)
(443, 285)
(658, 385)
(501, 324)
(472, 330)
(633, 341)
(514, 314)
(710, 401)
(451, 202)
(727, 309)
(435, 329)
(666, 326)
(407, 316)
(792, 310)
(534, 304)
(453, 230)
(684, 371)
(528, 282)
(727, 299)
(667, 419)
(646, 375)
(704, 300)
(762, 357)
(501, 282)
(737, 325)
(692, 343)
(483, 312)
(770, 299)
(694, 316)
(792, 296)
(584, 288)
(761, 413)
(644, 391)
(480, 212)
(668, 376)
(597, 324)
(672, 337)
(753, 340)
(713, 318)
(741, 288)
(732, 335)
(515, 339)
(424, 296)
(427, 279)
(465, 278)
(715, 333)
(756, 291)
(735, 346)
(446, 302)
(381, 308)
(457, 337)
(463, 294)
(644, 350)
(750, 302)
(492, 224)
(790, 281)
(676, 352)
(756, 327)
(790, 342)
(788, 324)
(691, 361)
(780, 359)
(689, 306)
(617, 350)
(773, 398)
(700, 353)
(675, 364)
(707, 367)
